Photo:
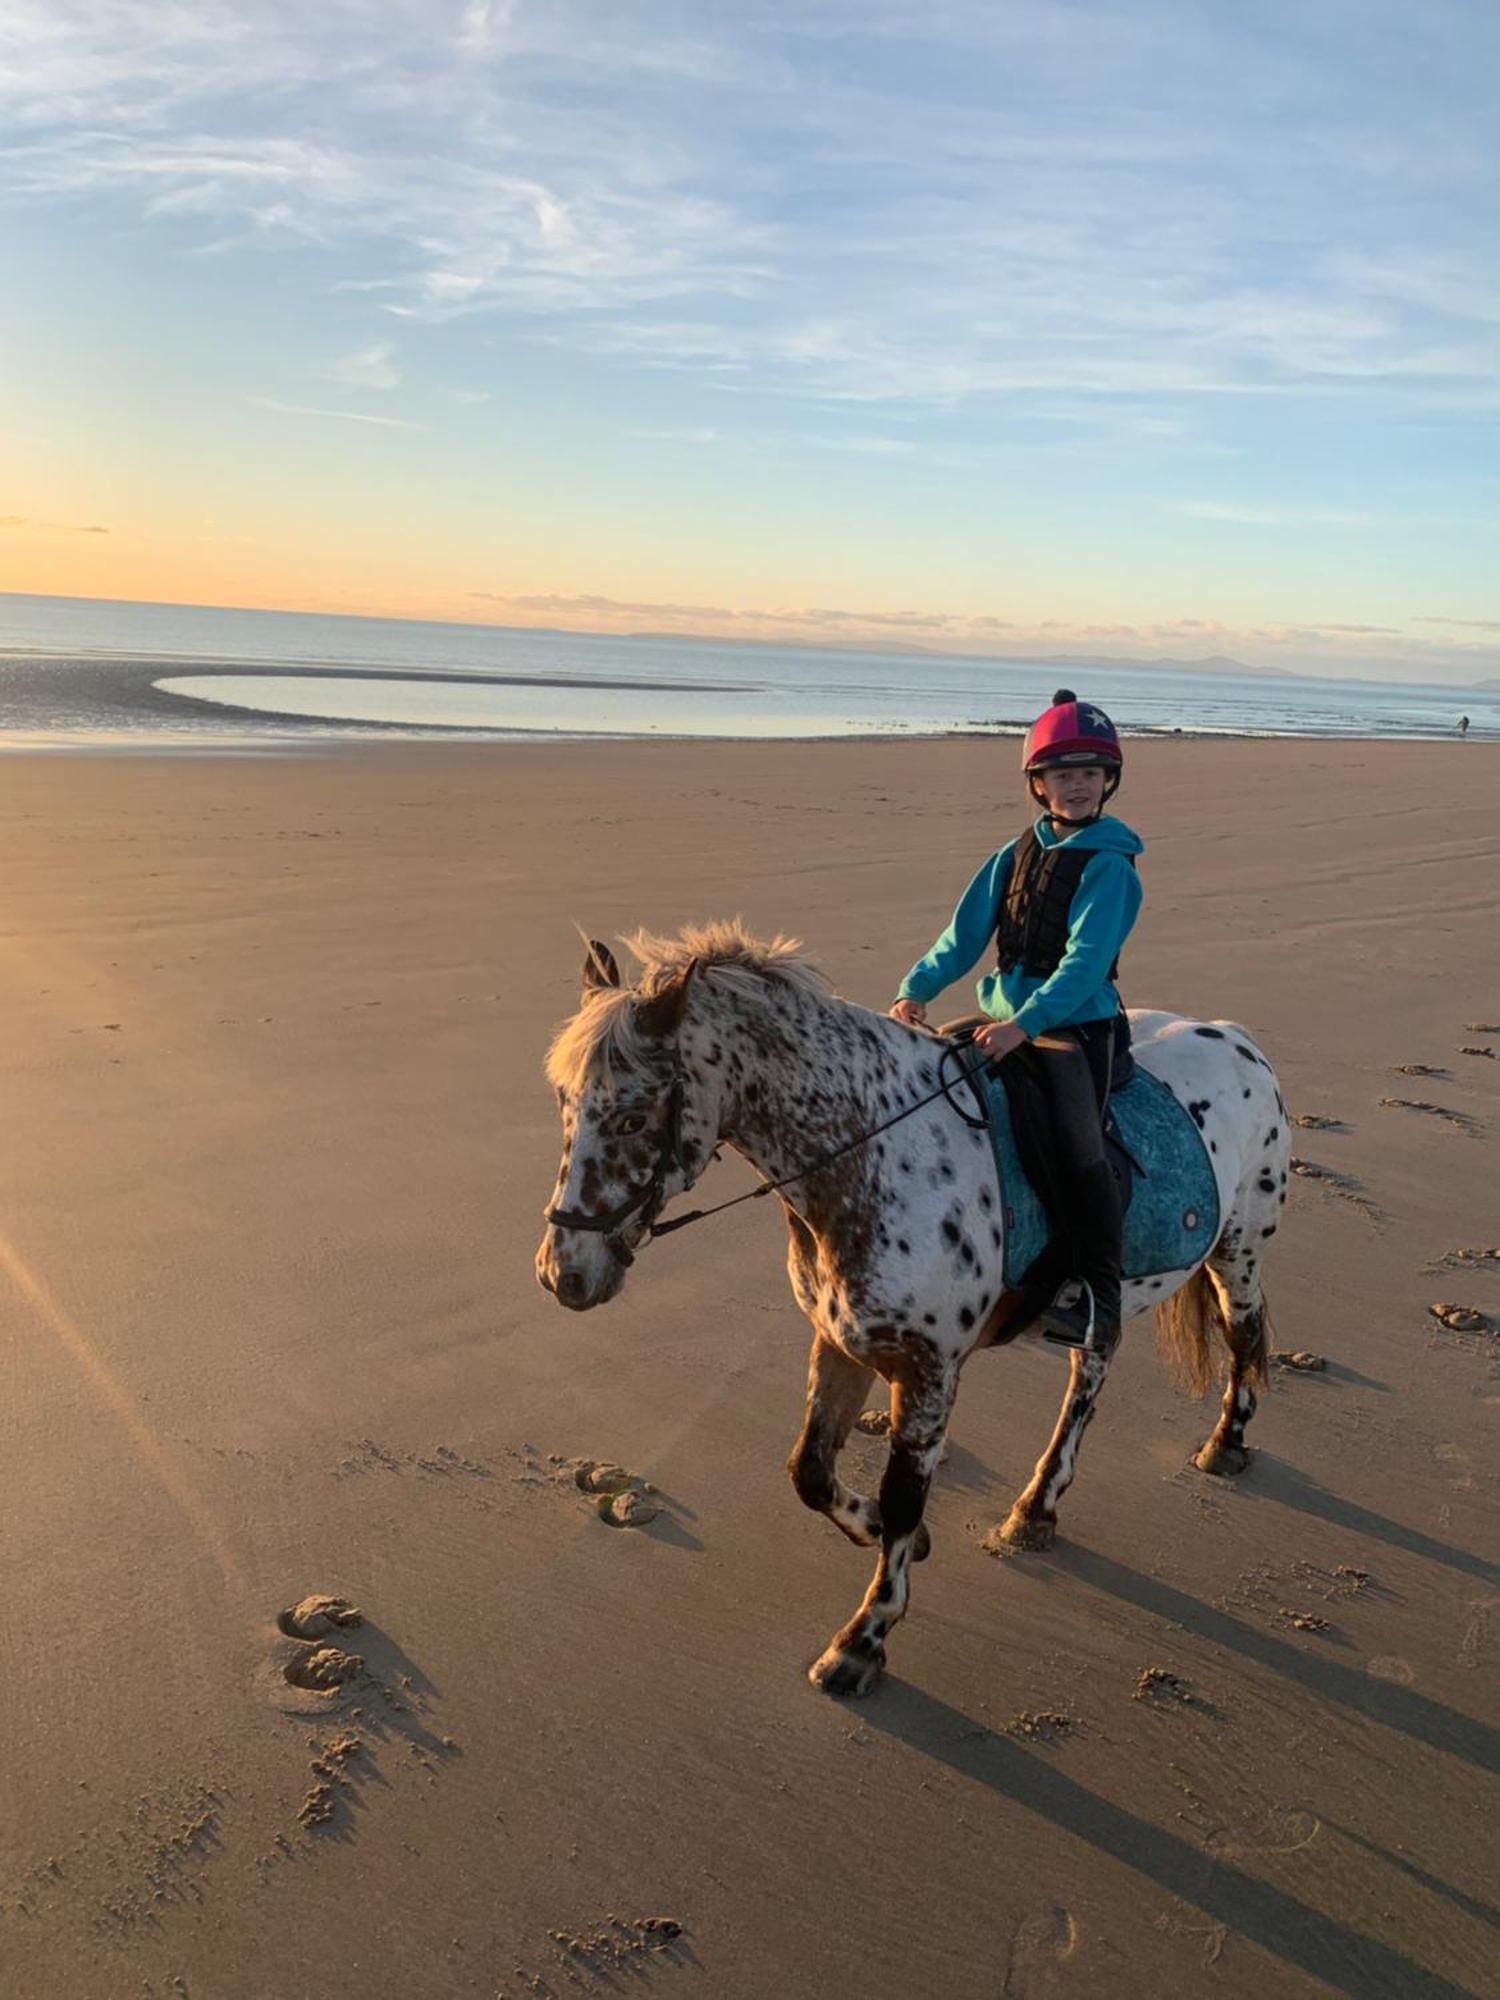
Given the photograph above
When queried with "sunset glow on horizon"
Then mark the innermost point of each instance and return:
(1038, 326)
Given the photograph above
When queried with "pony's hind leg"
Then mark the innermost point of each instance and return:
(1235, 1276)
(1032, 1521)
(921, 1400)
(836, 1391)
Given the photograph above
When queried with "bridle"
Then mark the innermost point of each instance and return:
(648, 1200)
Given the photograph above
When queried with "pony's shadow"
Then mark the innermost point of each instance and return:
(965, 1472)
(1350, 1378)
(1427, 1722)
(1281, 1924)
(1277, 1479)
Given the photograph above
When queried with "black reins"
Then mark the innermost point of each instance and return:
(649, 1200)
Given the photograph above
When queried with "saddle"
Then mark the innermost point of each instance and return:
(1169, 1197)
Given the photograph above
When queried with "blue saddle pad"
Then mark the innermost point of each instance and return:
(1173, 1217)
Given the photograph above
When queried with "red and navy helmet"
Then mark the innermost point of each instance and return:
(1072, 732)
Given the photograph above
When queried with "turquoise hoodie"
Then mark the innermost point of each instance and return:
(1103, 911)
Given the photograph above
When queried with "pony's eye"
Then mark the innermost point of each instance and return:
(633, 1122)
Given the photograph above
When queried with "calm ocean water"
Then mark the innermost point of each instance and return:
(76, 670)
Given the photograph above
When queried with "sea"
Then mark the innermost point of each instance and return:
(88, 672)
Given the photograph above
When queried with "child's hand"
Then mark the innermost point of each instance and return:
(910, 1013)
(998, 1040)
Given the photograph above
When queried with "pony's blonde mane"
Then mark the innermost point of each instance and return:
(606, 1029)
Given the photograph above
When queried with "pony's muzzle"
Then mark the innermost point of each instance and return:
(577, 1281)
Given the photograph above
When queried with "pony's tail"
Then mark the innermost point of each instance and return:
(1185, 1323)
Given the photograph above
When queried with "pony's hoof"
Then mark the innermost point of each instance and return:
(1222, 1460)
(921, 1543)
(848, 1675)
(1032, 1532)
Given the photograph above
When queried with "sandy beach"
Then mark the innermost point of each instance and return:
(276, 1143)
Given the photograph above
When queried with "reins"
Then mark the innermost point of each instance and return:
(951, 1051)
(609, 1224)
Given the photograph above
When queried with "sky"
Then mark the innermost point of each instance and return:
(1169, 327)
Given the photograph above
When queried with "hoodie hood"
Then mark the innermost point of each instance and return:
(1106, 835)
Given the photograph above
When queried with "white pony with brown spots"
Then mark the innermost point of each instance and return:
(896, 1247)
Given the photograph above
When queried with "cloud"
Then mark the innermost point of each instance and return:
(1468, 624)
(829, 196)
(55, 527)
(1276, 517)
(340, 416)
(368, 367)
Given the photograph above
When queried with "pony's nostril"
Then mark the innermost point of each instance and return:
(572, 1288)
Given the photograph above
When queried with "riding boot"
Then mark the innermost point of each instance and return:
(1091, 1318)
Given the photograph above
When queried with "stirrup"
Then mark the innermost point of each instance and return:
(1071, 1325)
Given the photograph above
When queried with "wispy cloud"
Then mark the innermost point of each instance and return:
(339, 416)
(1328, 646)
(1276, 517)
(368, 367)
(1465, 624)
(53, 527)
(1108, 223)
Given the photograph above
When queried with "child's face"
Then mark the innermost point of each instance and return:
(1073, 791)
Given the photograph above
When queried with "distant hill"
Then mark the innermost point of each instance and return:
(1486, 687)
(1214, 663)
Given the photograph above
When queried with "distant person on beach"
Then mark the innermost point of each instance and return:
(1059, 900)
(1463, 725)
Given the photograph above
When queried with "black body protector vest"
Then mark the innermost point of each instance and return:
(1033, 927)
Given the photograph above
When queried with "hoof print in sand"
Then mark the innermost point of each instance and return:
(1417, 1069)
(1459, 1118)
(1348, 1186)
(1473, 1049)
(1461, 1319)
(622, 1499)
(1301, 1362)
(1156, 1684)
(311, 1674)
(1312, 1121)
(1483, 1027)
(873, 1423)
(631, 1509)
(320, 1617)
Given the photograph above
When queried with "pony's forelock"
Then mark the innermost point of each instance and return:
(606, 1033)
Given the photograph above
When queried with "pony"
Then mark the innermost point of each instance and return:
(895, 1237)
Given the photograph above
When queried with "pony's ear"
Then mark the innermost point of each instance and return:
(600, 971)
(662, 1014)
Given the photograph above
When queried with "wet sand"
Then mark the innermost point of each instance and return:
(275, 1146)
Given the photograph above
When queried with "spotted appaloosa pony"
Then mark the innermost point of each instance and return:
(896, 1248)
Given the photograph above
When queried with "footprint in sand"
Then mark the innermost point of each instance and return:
(1459, 1118)
(1456, 1257)
(1347, 1186)
(1472, 1049)
(1483, 1027)
(1456, 1462)
(309, 1673)
(1310, 1121)
(1042, 1942)
(1387, 1667)
(1417, 1069)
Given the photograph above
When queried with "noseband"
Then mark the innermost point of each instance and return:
(648, 1201)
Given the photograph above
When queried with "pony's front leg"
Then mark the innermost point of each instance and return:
(1032, 1521)
(836, 1391)
(921, 1400)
